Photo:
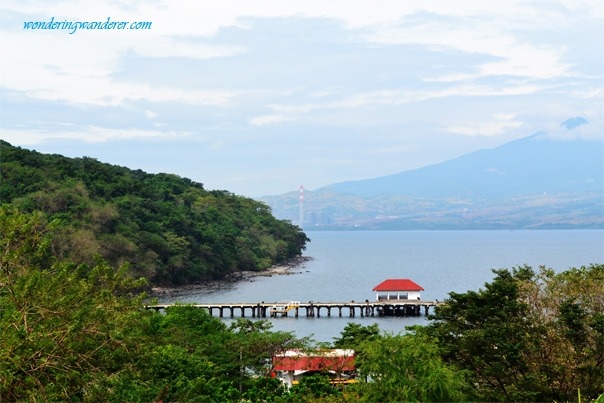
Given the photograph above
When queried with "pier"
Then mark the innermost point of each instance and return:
(311, 309)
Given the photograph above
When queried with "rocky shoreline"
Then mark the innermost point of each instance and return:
(287, 268)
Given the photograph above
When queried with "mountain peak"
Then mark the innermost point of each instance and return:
(571, 123)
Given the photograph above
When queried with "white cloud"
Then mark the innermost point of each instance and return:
(527, 61)
(350, 70)
(77, 68)
(268, 119)
(402, 96)
(515, 56)
(90, 134)
(505, 116)
(185, 47)
(295, 109)
(284, 113)
(588, 93)
(500, 123)
(59, 81)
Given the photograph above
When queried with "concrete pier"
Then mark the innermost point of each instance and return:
(311, 309)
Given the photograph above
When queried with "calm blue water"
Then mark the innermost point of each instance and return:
(347, 265)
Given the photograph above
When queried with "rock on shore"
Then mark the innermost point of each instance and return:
(278, 270)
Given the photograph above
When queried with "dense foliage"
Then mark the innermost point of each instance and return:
(527, 336)
(169, 229)
(78, 332)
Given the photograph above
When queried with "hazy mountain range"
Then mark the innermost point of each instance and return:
(534, 182)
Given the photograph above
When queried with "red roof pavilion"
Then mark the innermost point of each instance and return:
(398, 284)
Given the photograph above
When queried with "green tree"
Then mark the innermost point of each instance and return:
(196, 331)
(354, 334)
(314, 388)
(64, 327)
(256, 345)
(527, 336)
(566, 351)
(265, 389)
(406, 368)
(356, 337)
(485, 331)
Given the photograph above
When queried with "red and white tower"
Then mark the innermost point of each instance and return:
(301, 205)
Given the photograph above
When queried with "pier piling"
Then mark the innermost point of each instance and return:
(400, 307)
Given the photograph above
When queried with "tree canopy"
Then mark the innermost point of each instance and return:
(78, 332)
(527, 336)
(169, 229)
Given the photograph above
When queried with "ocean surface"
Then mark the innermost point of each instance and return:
(345, 266)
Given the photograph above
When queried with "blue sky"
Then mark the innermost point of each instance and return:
(259, 97)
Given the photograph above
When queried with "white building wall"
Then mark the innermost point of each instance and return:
(384, 295)
(413, 295)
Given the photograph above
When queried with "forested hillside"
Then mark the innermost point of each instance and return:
(167, 228)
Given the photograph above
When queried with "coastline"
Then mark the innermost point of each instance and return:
(287, 268)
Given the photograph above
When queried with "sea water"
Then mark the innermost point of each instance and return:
(346, 265)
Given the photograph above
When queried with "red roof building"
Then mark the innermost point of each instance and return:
(397, 288)
(294, 364)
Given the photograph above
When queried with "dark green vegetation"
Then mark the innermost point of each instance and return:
(536, 182)
(78, 332)
(167, 228)
(527, 336)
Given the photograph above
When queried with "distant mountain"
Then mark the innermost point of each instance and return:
(571, 123)
(531, 165)
(533, 182)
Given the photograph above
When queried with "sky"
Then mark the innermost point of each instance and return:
(258, 97)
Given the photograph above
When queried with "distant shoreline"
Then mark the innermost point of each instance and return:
(286, 268)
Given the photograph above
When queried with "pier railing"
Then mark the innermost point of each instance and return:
(314, 309)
